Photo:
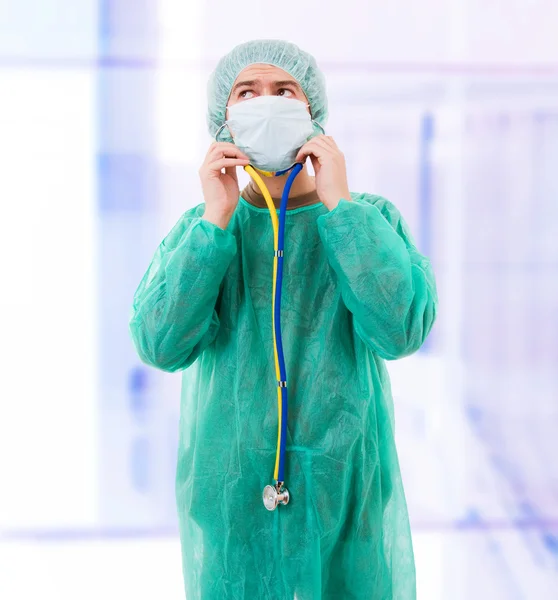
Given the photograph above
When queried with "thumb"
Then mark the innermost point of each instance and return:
(232, 172)
(315, 163)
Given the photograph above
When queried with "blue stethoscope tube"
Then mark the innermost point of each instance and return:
(278, 289)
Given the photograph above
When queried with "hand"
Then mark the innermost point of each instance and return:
(220, 190)
(329, 165)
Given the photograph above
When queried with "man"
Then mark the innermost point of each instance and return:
(356, 292)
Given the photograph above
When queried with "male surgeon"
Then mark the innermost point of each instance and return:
(356, 292)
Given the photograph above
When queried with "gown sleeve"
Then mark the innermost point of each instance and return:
(385, 282)
(174, 317)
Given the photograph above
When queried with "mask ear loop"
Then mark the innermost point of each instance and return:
(216, 138)
(319, 126)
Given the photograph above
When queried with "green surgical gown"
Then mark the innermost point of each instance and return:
(356, 292)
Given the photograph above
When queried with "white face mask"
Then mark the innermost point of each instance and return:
(270, 130)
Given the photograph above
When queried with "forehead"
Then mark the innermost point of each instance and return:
(266, 72)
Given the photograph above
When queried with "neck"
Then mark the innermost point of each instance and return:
(303, 184)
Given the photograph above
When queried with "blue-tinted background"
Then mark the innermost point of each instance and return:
(449, 109)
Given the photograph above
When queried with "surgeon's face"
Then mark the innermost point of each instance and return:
(264, 80)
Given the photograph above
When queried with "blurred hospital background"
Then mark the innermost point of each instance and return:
(449, 108)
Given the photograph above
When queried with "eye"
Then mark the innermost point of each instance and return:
(246, 94)
(285, 92)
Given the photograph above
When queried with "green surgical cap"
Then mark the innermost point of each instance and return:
(286, 56)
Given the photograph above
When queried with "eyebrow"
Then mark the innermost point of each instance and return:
(254, 82)
(287, 82)
(244, 84)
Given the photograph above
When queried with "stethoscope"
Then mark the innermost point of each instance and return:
(276, 494)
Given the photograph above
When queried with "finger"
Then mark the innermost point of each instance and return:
(221, 145)
(223, 163)
(329, 149)
(329, 140)
(316, 148)
(231, 171)
(315, 163)
(224, 150)
(324, 143)
(309, 148)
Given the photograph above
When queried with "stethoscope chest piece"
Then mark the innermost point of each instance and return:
(275, 495)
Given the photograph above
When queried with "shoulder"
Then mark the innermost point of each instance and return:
(379, 202)
(196, 211)
(184, 223)
(388, 210)
(191, 214)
